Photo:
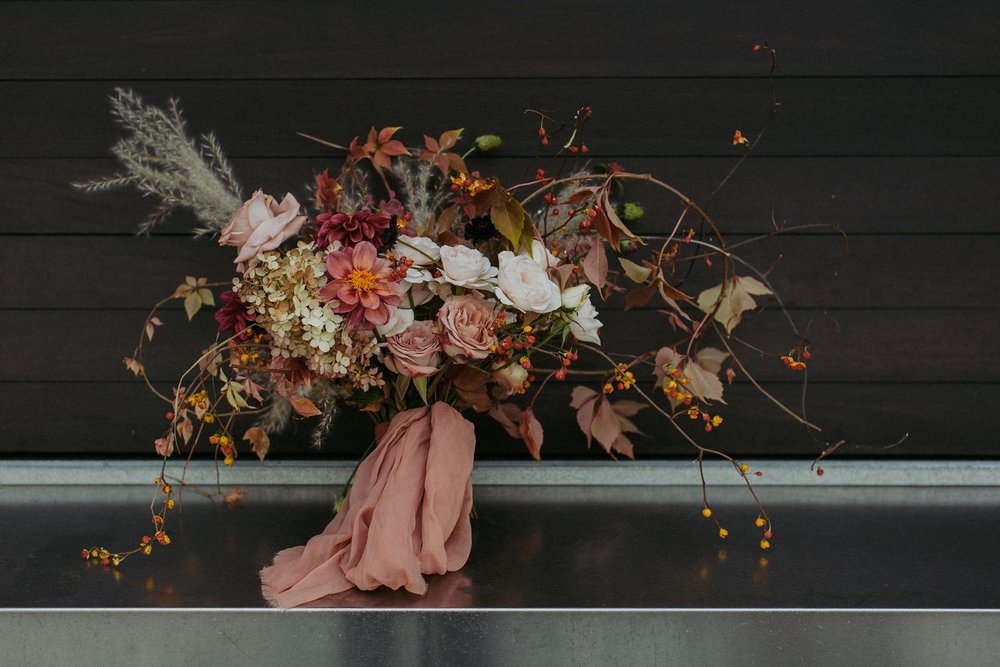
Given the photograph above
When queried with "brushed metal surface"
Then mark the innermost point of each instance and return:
(559, 574)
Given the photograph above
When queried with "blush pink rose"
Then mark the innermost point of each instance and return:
(416, 351)
(259, 225)
(468, 325)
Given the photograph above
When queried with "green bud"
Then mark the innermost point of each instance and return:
(488, 142)
(632, 211)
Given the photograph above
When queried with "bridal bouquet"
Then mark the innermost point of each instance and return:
(414, 288)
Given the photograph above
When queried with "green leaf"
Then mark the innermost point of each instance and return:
(511, 220)
(421, 384)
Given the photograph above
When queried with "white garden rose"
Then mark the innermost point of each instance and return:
(573, 297)
(466, 267)
(524, 284)
(423, 252)
(583, 322)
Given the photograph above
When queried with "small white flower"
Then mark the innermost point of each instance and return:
(524, 284)
(466, 267)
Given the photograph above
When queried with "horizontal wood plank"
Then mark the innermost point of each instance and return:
(124, 419)
(850, 345)
(696, 117)
(519, 38)
(130, 272)
(861, 195)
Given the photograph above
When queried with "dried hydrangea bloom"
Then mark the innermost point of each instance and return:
(283, 293)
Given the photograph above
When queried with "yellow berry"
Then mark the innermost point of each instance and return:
(759, 522)
(764, 544)
(723, 533)
(744, 467)
(170, 504)
(527, 328)
(707, 512)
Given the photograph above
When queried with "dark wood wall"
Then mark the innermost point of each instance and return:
(888, 128)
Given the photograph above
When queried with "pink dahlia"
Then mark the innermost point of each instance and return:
(364, 285)
(350, 230)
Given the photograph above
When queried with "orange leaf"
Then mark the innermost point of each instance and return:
(304, 406)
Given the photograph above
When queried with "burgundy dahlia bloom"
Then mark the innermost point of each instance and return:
(233, 317)
(363, 284)
(350, 230)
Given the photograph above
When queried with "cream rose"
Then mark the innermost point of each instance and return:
(509, 380)
(399, 320)
(415, 352)
(260, 225)
(524, 284)
(467, 327)
(466, 267)
(583, 323)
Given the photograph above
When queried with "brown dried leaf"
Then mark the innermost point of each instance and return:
(531, 432)
(734, 301)
(636, 272)
(260, 443)
(605, 426)
(133, 366)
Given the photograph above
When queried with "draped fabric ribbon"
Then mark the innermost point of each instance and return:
(406, 516)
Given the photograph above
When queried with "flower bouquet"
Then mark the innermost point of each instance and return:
(415, 289)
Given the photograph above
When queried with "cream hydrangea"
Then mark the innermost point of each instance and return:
(283, 291)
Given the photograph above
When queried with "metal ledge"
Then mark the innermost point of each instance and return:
(843, 472)
(888, 561)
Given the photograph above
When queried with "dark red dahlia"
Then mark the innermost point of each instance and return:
(350, 230)
(233, 317)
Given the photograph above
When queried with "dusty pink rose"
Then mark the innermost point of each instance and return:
(416, 351)
(468, 325)
(261, 225)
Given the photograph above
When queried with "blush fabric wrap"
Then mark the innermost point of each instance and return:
(406, 515)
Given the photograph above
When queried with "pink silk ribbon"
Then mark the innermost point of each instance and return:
(406, 515)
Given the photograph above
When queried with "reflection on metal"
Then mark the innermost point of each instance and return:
(843, 472)
(588, 565)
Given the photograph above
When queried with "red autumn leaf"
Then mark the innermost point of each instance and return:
(304, 406)
(595, 265)
(579, 195)
(531, 432)
(640, 296)
(380, 147)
